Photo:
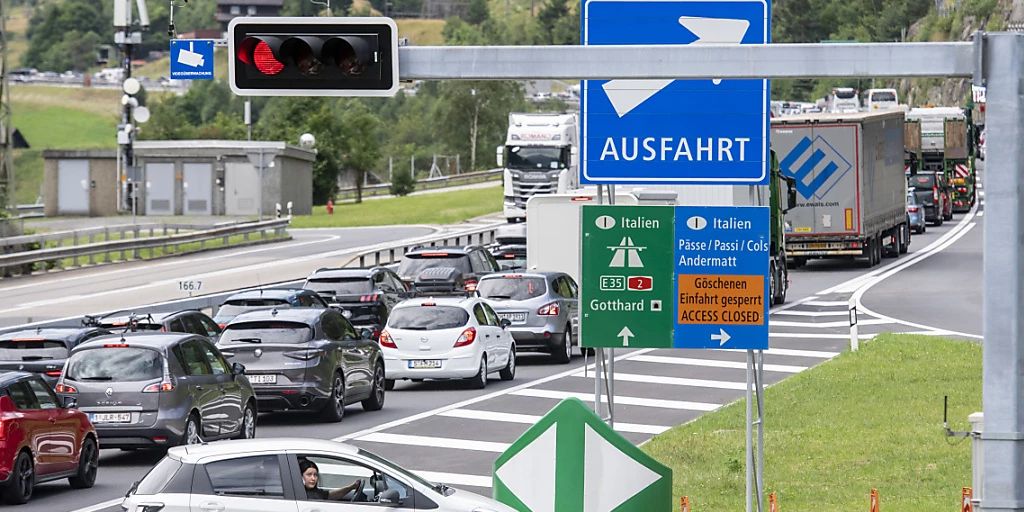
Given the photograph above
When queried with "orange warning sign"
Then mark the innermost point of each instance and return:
(721, 299)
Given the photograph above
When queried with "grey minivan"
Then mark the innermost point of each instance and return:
(542, 306)
(150, 390)
(306, 359)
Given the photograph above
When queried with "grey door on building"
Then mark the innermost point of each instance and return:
(198, 189)
(159, 189)
(73, 187)
(242, 189)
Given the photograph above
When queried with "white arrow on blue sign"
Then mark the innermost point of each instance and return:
(675, 131)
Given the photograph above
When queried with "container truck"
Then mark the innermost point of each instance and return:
(947, 144)
(539, 157)
(553, 222)
(851, 189)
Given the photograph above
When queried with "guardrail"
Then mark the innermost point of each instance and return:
(371, 256)
(424, 184)
(26, 211)
(24, 262)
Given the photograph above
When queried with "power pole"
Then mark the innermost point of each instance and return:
(6, 165)
(128, 34)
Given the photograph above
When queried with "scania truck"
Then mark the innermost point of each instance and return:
(539, 157)
(848, 174)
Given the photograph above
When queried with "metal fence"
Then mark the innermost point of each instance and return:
(27, 253)
(424, 184)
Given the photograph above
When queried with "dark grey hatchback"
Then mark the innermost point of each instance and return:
(306, 359)
(149, 390)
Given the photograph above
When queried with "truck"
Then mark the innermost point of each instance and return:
(850, 184)
(948, 143)
(553, 222)
(539, 157)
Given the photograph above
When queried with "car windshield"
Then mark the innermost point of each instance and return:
(428, 318)
(32, 349)
(413, 264)
(511, 263)
(846, 93)
(266, 332)
(341, 285)
(512, 288)
(924, 181)
(115, 363)
(883, 96)
(529, 158)
(158, 477)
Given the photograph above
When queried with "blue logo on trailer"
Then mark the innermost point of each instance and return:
(704, 131)
(722, 261)
(815, 165)
(191, 59)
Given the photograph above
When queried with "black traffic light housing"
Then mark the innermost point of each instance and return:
(305, 56)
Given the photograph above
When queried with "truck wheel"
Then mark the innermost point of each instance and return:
(905, 246)
(781, 285)
(772, 284)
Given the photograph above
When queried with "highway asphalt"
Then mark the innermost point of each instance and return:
(453, 434)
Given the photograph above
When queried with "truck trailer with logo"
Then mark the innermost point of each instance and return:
(539, 157)
(947, 145)
(850, 184)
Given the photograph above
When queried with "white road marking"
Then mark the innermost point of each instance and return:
(773, 351)
(980, 213)
(817, 336)
(435, 442)
(792, 312)
(714, 363)
(825, 325)
(455, 478)
(674, 381)
(529, 419)
(100, 506)
(619, 400)
(827, 303)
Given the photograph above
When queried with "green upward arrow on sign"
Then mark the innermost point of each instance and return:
(572, 461)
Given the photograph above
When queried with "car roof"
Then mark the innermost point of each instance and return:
(193, 454)
(268, 293)
(9, 377)
(532, 273)
(458, 251)
(344, 272)
(143, 339)
(50, 333)
(437, 301)
(304, 315)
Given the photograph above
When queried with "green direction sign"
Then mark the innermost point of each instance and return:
(571, 461)
(627, 293)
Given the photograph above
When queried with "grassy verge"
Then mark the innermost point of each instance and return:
(421, 32)
(863, 420)
(439, 208)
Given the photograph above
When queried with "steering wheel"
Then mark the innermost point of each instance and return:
(357, 494)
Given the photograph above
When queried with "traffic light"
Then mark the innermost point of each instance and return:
(313, 56)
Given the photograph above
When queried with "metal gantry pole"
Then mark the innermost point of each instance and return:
(759, 389)
(749, 457)
(1002, 442)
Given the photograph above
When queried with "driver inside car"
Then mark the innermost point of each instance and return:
(311, 481)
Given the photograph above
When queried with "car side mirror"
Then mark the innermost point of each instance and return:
(365, 334)
(237, 368)
(504, 323)
(389, 497)
(70, 402)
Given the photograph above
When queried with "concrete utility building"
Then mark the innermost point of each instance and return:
(182, 177)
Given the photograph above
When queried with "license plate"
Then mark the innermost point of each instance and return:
(817, 246)
(513, 317)
(262, 379)
(112, 417)
(425, 363)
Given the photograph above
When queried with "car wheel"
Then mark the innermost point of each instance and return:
(192, 431)
(334, 411)
(23, 479)
(88, 465)
(509, 371)
(562, 353)
(479, 381)
(248, 430)
(376, 400)
(389, 384)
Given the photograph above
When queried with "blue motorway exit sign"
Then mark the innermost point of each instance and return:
(706, 131)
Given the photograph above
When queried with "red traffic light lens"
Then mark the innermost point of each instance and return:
(264, 60)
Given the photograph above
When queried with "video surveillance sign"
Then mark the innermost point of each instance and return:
(192, 59)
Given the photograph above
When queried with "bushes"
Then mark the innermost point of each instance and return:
(402, 183)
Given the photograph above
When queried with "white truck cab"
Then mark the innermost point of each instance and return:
(539, 157)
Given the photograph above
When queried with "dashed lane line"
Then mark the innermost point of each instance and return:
(435, 442)
(620, 400)
(714, 363)
(673, 381)
(530, 419)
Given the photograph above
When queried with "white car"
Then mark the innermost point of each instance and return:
(447, 338)
(273, 475)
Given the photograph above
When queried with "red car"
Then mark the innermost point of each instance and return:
(41, 440)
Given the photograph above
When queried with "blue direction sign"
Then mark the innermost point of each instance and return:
(191, 59)
(675, 131)
(722, 261)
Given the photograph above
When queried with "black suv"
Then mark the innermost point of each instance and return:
(253, 300)
(365, 296)
(43, 350)
(446, 270)
(189, 321)
(306, 359)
